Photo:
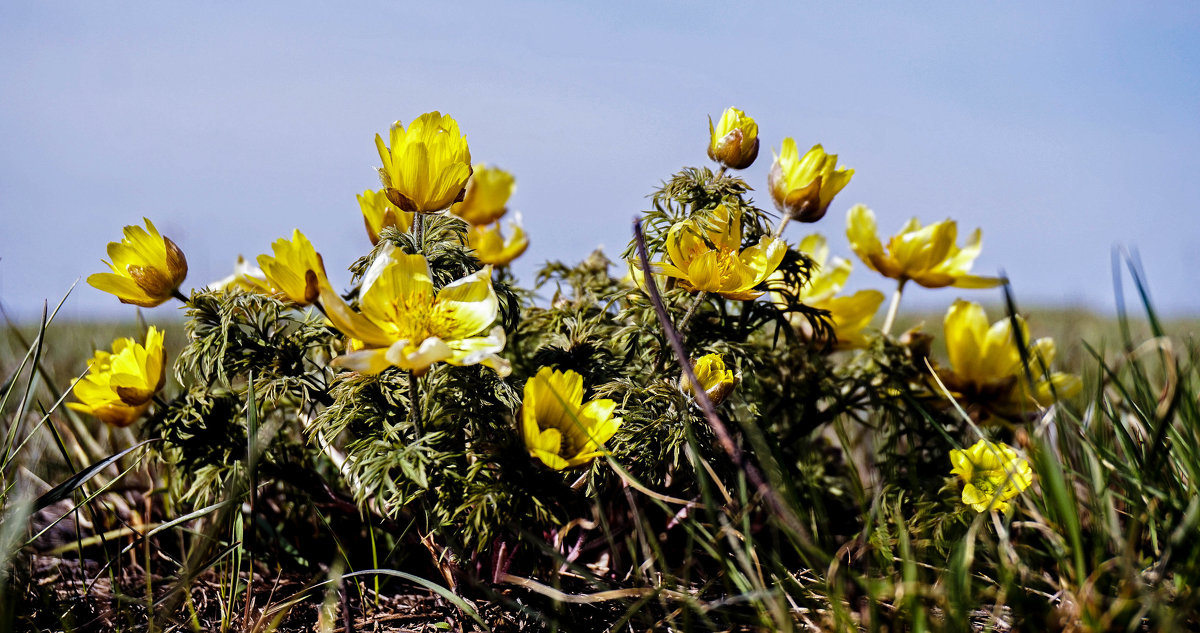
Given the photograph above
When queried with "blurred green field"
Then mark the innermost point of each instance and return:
(72, 342)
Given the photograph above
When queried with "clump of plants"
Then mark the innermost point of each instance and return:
(704, 433)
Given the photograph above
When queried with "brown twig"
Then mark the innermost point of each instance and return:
(772, 498)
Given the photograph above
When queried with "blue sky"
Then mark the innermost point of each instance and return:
(1060, 130)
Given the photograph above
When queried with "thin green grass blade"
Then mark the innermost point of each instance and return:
(1138, 274)
(20, 414)
(445, 593)
(64, 490)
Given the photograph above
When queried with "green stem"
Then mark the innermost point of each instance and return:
(681, 328)
(787, 217)
(179, 295)
(691, 311)
(894, 307)
(414, 403)
(418, 227)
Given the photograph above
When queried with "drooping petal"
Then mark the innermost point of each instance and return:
(1058, 386)
(965, 328)
(762, 259)
(465, 307)
(125, 289)
(815, 246)
(351, 323)
(367, 361)
(488, 191)
(482, 350)
(850, 315)
(999, 355)
(545, 446)
(863, 236)
(417, 358)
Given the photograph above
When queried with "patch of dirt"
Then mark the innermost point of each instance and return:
(57, 594)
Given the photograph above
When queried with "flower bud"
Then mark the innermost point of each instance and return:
(379, 212)
(803, 187)
(120, 384)
(486, 196)
(147, 268)
(715, 380)
(733, 142)
(426, 166)
(246, 277)
(296, 272)
(492, 247)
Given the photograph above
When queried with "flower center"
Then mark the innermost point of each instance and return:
(984, 485)
(409, 318)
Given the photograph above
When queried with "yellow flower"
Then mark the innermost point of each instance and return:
(379, 212)
(828, 277)
(488, 192)
(992, 473)
(246, 277)
(715, 380)
(491, 247)
(558, 427)
(147, 268)
(296, 271)
(734, 140)
(426, 167)
(408, 324)
(119, 385)
(803, 187)
(926, 255)
(634, 276)
(704, 256)
(849, 315)
(985, 365)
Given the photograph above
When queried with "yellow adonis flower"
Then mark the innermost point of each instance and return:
(379, 212)
(558, 428)
(992, 473)
(147, 268)
(803, 186)
(296, 271)
(703, 254)
(491, 247)
(850, 314)
(733, 142)
(406, 323)
(487, 195)
(715, 380)
(246, 277)
(986, 370)
(926, 255)
(425, 167)
(119, 384)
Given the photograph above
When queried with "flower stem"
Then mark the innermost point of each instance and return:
(787, 217)
(179, 295)
(418, 227)
(691, 311)
(414, 403)
(894, 307)
(681, 328)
